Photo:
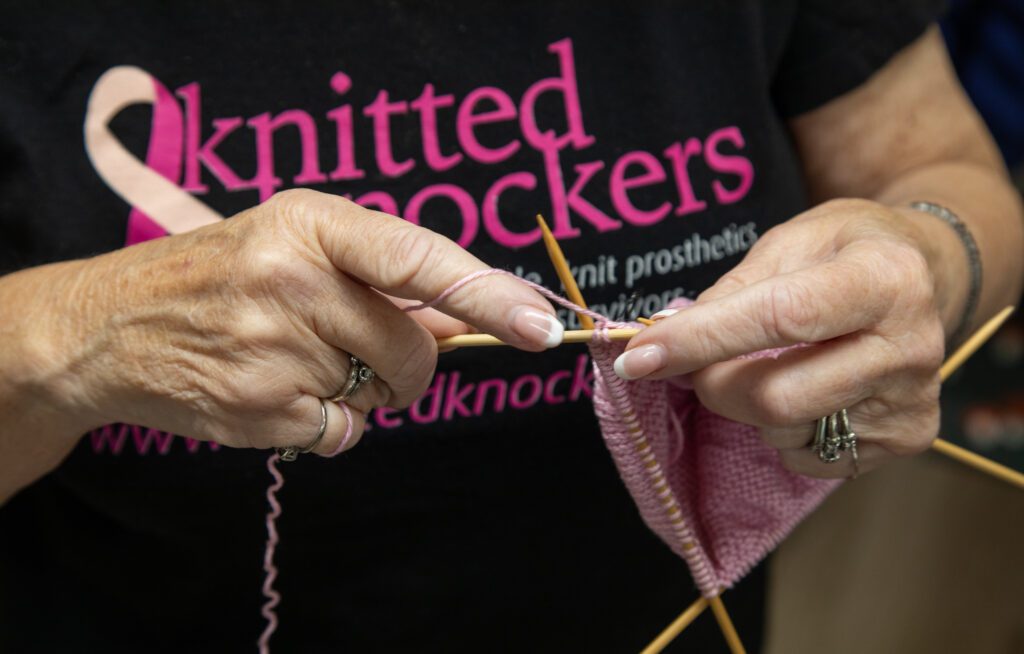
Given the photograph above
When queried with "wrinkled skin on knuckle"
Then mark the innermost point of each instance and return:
(275, 270)
(257, 334)
(297, 216)
(408, 254)
(297, 204)
(706, 340)
(790, 313)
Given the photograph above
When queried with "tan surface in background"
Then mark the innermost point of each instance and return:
(924, 555)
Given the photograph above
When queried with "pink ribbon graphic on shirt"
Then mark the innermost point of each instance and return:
(159, 205)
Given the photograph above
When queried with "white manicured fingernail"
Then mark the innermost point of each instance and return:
(641, 361)
(538, 327)
(664, 313)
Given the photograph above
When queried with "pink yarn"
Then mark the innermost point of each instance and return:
(707, 486)
(543, 290)
(269, 569)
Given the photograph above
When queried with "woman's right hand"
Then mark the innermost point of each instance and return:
(232, 332)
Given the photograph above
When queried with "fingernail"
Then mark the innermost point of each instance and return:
(664, 313)
(537, 327)
(640, 362)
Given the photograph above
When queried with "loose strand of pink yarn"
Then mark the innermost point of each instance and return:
(269, 568)
(273, 597)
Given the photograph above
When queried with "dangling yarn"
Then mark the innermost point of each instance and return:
(269, 568)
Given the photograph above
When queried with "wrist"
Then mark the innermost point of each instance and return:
(48, 347)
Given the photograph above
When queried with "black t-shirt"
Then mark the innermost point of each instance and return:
(487, 517)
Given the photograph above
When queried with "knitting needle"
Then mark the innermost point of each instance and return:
(967, 457)
(972, 344)
(677, 626)
(563, 272)
(725, 624)
(978, 462)
(573, 336)
(565, 275)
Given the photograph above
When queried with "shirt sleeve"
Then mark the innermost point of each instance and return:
(834, 46)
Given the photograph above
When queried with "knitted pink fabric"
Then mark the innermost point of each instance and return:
(707, 486)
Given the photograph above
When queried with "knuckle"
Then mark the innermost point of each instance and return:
(790, 314)
(708, 342)
(279, 269)
(254, 332)
(294, 201)
(897, 276)
(302, 207)
(411, 252)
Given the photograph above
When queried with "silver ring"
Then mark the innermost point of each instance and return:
(358, 374)
(833, 436)
(292, 452)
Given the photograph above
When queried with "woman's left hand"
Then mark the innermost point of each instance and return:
(849, 278)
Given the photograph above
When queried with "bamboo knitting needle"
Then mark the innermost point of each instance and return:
(956, 452)
(677, 626)
(972, 344)
(573, 336)
(725, 624)
(563, 272)
(978, 462)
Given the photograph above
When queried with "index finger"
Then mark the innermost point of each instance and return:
(408, 261)
(815, 304)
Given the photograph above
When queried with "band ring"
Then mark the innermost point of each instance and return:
(358, 374)
(833, 436)
(292, 452)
